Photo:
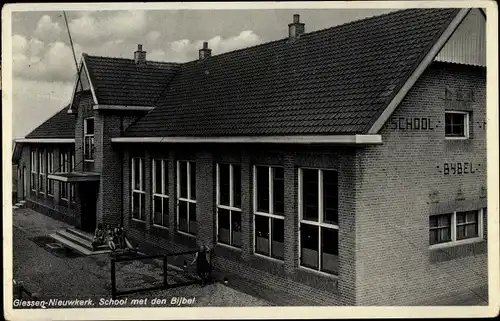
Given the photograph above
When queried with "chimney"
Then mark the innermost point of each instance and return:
(205, 52)
(140, 56)
(296, 28)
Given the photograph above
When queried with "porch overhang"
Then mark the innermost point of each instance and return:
(74, 177)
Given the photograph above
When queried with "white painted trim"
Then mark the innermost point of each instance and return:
(305, 268)
(466, 125)
(70, 111)
(60, 178)
(90, 81)
(46, 140)
(123, 107)
(318, 139)
(428, 59)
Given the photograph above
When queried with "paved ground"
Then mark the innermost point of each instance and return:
(88, 277)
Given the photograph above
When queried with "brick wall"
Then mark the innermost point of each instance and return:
(402, 182)
(285, 275)
(49, 205)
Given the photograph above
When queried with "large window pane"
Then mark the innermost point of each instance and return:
(330, 197)
(278, 238)
(142, 197)
(165, 211)
(262, 189)
(224, 184)
(440, 228)
(183, 179)
(309, 245)
(278, 191)
(310, 194)
(157, 176)
(165, 177)
(183, 221)
(261, 234)
(224, 226)
(193, 181)
(157, 206)
(135, 204)
(236, 228)
(329, 247)
(237, 186)
(193, 228)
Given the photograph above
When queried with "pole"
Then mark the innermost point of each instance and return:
(70, 41)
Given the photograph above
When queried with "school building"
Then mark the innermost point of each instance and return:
(346, 166)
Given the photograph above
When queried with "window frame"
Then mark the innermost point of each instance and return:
(163, 195)
(186, 199)
(319, 224)
(42, 188)
(271, 215)
(133, 190)
(466, 125)
(34, 166)
(230, 208)
(454, 241)
(50, 170)
(91, 137)
(64, 167)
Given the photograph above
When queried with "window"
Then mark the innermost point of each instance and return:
(50, 170)
(64, 168)
(41, 173)
(71, 186)
(138, 192)
(269, 211)
(88, 140)
(160, 192)
(318, 213)
(229, 204)
(456, 124)
(455, 227)
(33, 170)
(186, 195)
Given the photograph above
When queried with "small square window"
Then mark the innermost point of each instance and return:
(456, 124)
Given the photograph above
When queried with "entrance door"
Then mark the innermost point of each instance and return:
(88, 197)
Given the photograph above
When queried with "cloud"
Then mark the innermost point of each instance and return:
(55, 64)
(46, 29)
(19, 44)
(88, 30)
(153, 36)
(184, 50)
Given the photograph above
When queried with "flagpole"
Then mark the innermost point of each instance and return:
(70, 41)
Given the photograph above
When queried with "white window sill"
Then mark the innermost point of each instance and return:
(333, 276)
(456, 138)
(232, 247)
(270, 258)
(89, 160)
(138, 220)
(456, 243)
(186, 233)
(161, 226)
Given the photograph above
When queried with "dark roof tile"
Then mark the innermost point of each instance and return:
(61, 125)
(332, 81)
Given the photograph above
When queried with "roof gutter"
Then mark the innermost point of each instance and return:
(123, 107)
(46, 140)
(317, 139)
(426, 61)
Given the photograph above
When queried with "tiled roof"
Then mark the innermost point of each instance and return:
(333, 81)
(119, 81)
(61, 125)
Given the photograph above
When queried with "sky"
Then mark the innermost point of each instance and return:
(44, 70)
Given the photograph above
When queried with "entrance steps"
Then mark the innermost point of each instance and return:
(19, 204)
(79, 241)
